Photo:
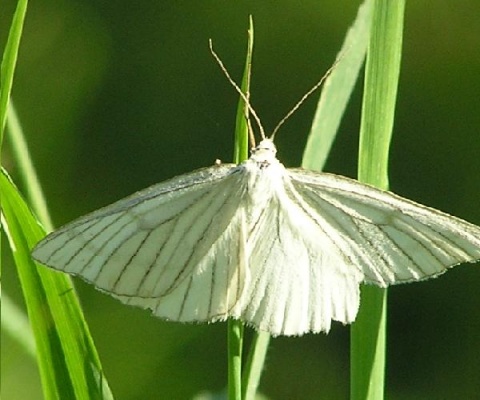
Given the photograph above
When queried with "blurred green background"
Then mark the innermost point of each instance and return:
(115, 96)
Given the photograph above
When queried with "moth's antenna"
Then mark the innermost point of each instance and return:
(242, 95)
(306, 96)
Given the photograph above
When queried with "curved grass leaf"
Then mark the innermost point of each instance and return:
(337, 90)
(67, 359)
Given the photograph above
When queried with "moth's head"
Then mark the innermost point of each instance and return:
(264, 152)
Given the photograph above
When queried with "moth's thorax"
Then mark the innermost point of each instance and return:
(265, 175)
(263, 167)
(264, 153)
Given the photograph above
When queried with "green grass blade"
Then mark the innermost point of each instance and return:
(235, 347)
(241, 127)
(22, 233)
(235, 327)
(9, 61)
(27, 172)
(68, 362)
(381, 82)
(337, 90)
(67, 359)
(368, 333)
(79, 369)
(254, 365)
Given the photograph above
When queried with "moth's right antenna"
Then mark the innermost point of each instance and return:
(306, 96)
(242, 95)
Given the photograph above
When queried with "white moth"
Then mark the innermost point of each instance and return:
(284, 250)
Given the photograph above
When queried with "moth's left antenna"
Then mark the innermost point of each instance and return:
(244, 97)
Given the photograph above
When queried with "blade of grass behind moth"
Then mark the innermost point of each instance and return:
(55, 381)
(337, 90)
(235, 327)
(9, 61)
(7, 67)
(241, 127)
(68, 362)
(368, 333)
(67, 358)
(259, 345)
(254, 365)
(26, 169)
